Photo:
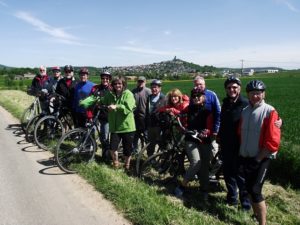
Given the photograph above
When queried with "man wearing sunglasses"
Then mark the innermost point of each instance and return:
(65, 87)
(232, 107)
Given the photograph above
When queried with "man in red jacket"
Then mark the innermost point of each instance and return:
(260, 139)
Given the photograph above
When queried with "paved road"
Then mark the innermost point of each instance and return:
(34, 192)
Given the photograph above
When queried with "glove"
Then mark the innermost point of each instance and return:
(89, 123)
(204, 133)
(45, 91)
(88, 102)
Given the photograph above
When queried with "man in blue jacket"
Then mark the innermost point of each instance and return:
(212, 102)
(82, 90)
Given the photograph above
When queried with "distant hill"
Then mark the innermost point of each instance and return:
(2, 66)
(171, 67)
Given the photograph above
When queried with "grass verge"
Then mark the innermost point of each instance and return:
(144, 204)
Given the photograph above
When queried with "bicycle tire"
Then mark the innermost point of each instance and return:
(27, 115)
(29, 131)
(47, 132)
(67, 121)
(141, 157)
(156, 167)
(71, 150)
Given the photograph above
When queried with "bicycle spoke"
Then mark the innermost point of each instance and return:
(75, 148)
(47, 132)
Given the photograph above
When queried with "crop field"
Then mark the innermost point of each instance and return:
(283, 92)
(157, 205)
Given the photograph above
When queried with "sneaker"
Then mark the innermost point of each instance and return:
(246, 207)
(178, 192)
(232, 203)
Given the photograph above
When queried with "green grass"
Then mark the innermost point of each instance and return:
(138, 201)
(144, 204)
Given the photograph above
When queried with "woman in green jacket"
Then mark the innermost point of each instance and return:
(121, 104)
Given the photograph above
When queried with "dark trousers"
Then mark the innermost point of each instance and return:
(141, 132)
(255, 175)
(80, 119)
(234, 179)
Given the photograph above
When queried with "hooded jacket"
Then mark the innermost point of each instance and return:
(120, 120)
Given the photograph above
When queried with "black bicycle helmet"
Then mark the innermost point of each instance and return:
(232, 79)
(55, 68)
(84, 71)
(156, 82)
(105, 74)
(68, 68)
(255, 85)
(196, 92)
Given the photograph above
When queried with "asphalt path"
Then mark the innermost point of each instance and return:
(33, 191)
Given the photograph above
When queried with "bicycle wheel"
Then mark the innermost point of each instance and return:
(47, 132)
(29, 131)
(67, 121)
(27, 115)
(75, 147)
(141, 157)
(156, 167)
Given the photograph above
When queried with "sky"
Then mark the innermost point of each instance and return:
(221, 33)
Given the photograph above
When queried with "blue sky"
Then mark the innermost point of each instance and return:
(101, 33)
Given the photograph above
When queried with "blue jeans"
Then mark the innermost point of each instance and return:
(104, 135)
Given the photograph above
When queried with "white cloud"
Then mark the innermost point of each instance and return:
(289, 5)
(58, 33)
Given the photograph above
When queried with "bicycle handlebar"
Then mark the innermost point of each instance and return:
(192, 133)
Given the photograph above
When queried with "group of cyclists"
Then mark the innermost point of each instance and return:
(247, 130)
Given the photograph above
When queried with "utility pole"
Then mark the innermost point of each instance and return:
(242, 68)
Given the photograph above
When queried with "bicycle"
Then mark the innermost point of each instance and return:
(30, 126)
(78, 146)
(169, 133)
(29, 113)
(170, 160)
(50, 128)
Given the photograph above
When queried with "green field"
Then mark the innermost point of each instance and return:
(283, 91)
(144, 204)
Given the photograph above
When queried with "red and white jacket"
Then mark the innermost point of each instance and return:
(257, 130)
(177, 109)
